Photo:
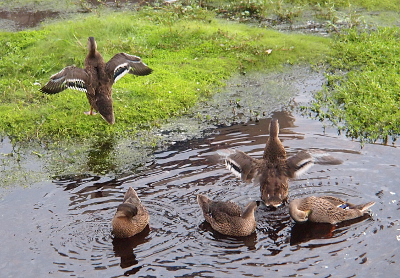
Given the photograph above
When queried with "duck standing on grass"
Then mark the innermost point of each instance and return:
(228, 218)
(272, 171)
(97, 78)
(131, 217)
(325, 209)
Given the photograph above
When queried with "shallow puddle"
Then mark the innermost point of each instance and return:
(17, 20)
(63, 226)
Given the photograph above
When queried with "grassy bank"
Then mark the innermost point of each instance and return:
(191, 52)
(363, 94)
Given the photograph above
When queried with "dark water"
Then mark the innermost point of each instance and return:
(62, 227)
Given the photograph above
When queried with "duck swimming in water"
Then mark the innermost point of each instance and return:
(227, 217)
(325, 209)
(131, 217)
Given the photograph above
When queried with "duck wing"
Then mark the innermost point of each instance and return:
(336, 201)
(223, 211)
(69, 77)
(240, 164)
(122, 63)
(299, 163)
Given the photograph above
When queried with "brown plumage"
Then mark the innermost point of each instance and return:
(227, 217)
(97, 78)
(325, 209)
(131, 216)
(273, 171)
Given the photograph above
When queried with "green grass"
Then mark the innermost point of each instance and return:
(365, 102)
(191, 54)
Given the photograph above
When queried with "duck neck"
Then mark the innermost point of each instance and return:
(274, 148)
(297, 214)
(92, 47)
(249, 210)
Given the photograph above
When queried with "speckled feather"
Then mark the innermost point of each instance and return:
(131, 216)
(325, 209)
(227, 217)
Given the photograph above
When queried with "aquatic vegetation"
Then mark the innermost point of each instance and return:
(362, 96)
(191, 52)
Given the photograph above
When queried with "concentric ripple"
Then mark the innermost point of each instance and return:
(66, 223)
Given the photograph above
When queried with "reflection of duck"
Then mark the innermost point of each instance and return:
(227, 217)
(272, 171)
(123, 247)
(131, 216)
(303, 232)
(248, 241)
(97, 78)
(325, 209)
(309, 231)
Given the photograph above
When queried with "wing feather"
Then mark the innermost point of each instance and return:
(123, 63)
(68, 78)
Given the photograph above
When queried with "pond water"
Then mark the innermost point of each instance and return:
(62, 227)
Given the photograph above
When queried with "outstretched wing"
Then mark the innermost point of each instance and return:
(69, 77)
(122, 63)
(299, 163)
(240, 164)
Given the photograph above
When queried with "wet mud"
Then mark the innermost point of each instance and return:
(17, 20)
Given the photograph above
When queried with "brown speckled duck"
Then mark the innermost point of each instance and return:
(131, 217)
(325, 209)
(272, 171)
(227, 217)
(97, 78)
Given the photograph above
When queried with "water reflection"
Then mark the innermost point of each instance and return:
(124, 249)
(308, 231)
(100, 156)
(304, 232)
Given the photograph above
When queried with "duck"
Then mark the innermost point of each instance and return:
(97, 79)
(272, 171)
(228, 218)
(131, 217)
(325, 209)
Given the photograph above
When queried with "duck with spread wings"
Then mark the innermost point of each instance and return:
(97, 78)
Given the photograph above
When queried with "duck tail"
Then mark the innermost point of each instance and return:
(365, 207)
(131, 196)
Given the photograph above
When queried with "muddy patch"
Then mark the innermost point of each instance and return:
(22, 19)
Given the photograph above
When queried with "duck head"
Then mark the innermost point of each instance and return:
(126, 210)
(297, 214)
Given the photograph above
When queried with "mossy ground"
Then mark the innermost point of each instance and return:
(192, 53)
(363, 94)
